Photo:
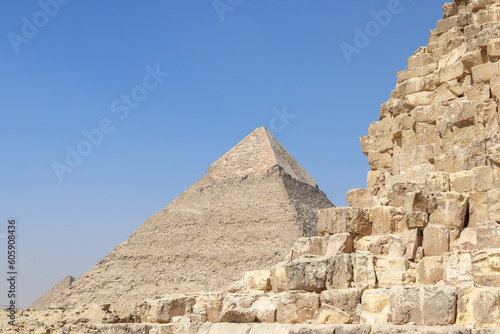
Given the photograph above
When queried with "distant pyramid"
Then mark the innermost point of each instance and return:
(48, 298)
(244, 214)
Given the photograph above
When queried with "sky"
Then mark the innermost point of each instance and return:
(111, 109)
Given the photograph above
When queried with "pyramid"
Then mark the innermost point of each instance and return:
(246, 212)
(44, 301)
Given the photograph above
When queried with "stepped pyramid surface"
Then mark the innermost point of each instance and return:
(418, 250)
(44, 301)
(245, 213)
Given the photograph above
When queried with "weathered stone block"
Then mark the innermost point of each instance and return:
(346, 300)
(462, 182)
(310, 246)
(164, 309)
(278, 279)
(494, 204)
(479, 307)
(375, 300)
(486, 267)
(448, 208)
(416, 219)
(423, 305)
(385, 219)
(360, 198)
(439, 181)
(341, 274)
(209, 304)
(494, 48)
(257, 279)
(436, 240)
(307, 274)
(488, 234)
(364, 270)
(484, 72)
(430, 270)
(478, 208)
(297, 307)
(467, 240)
(458, 268)
(392, 271)
(339, 243)
(344, 220)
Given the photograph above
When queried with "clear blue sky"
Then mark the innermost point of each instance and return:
(226, 78)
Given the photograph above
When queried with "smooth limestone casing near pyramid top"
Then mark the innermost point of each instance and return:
(246, 212)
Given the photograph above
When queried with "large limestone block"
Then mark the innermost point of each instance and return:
(412, 240)
(380, 160)
(297, 307)
(311, 246)
(438, 181)
(346, 300)
(430, 270)
(423, 305)
(375, 300)
(360, 198)
(488, 234)
(458, 268)
(392, 271)
(386, 219)
(486, 267)
(209, 305)
(341, 274)
(416, 219)
(479, 307)
(339, 243)
(331, 315)
(265, 308)
(164, 309)
(236, 307)
(344, 220)
(448, 209)
(436, 240)
(257, 279)
(462, 182)
(494, 204)
(419, 99)
(478, 208)
(415, 201)
(278, 279)
(484, 72)
(364, 270)
(467, 240)
(308, 274)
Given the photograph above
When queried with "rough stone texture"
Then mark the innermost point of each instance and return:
(253, 199)
(423, 305)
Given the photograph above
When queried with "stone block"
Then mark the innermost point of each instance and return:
(419, 99)
(360, 198)
(331, 315)
(236, 307)
(423, 305)
(375, 300)
(430, 270)
(346, 300)
(486, 267)
(458, 268)
(278, 279)
(310, 246)
(484, 72)
(412, 240)
(436, 240)
(379, 160)
(478, 208)
(386, 219)
(257, 280)
(479, 307)
(344, 220)
(416, 219)
(467, 240)
(392, 271)
(438, 181)
(341, 274)
(415, 201)
(364, 270)
(463, 181)
(494, 48)
(339, 243)
(164, 309)
(488, 234)
(297, 307)
(307, 274)
(449, 208)
(209, 304)
(494, 204)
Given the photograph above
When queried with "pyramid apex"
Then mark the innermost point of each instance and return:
(255, 155)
